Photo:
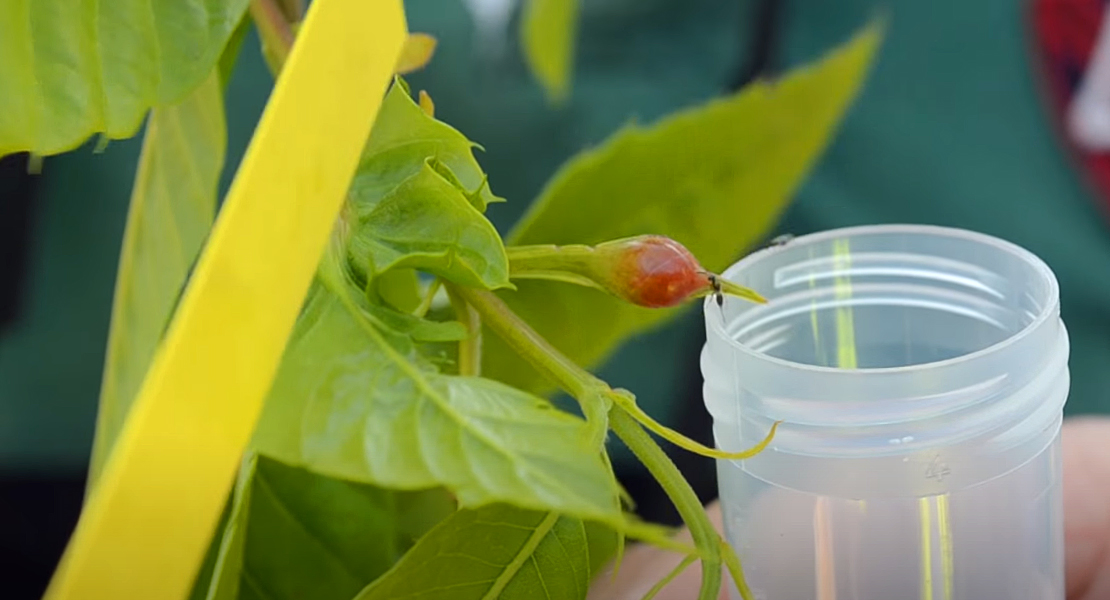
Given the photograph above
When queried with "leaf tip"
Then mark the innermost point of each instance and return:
(740, 291)
(427, 105)
(102, 141)
(416, 53)
(400, 82)
(867, 40)
(34, 164)
(548, 31)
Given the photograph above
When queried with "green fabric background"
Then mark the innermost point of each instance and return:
(950, 130)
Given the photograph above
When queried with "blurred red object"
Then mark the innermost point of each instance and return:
(1066, 33)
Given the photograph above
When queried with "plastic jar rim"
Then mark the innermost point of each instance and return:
(1047, 310)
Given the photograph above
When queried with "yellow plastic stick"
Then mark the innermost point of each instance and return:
(147, 524)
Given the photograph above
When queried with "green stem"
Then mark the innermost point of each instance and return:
(628, 402)
(548, 360)
(658, 587)
(592, 394)
(572, 263)
(732, 561)
(670, 577)
(681, 494)
(273, 28)
(429, 298)
(470, 349)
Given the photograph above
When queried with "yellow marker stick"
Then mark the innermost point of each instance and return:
(147, 524)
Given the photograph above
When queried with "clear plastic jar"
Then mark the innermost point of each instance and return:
(920, 375)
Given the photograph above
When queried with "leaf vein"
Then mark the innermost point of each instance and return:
(257, 586)
(524, 554)
(443, 588)
(539, 575)
(444, 404)
(477, 559)
(571, 562)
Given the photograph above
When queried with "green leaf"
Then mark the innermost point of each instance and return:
(548, 29)
(230, 56)
(354, 401)
(420, 330)
(203, 579)
(173, 202)
(227, 573)
(294, 534)
(715, 178)
(69, 70)
(426, 223)
(416, 53)
(496, 551)
(417, 199)
(603, 542)
(399, 288)
(475, 197)
(403, 139)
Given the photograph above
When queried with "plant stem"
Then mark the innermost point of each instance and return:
(628, 402)
(548, 360)
(591, 392)
(293, 10)
(429, 298)
(658, 587)
(681, 494)
(470, 349)
(593, 395)
(273, 28)
(568, 264)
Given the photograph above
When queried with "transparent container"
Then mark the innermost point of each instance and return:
(920, 375)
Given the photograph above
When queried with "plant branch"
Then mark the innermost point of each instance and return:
(429, 298)
(274, 29)
(627, 401)
(595, 396)
(733, 563)
(590, 392)
(681, 494)
(293, 10)
(548, 360)
(470, 349)
(554, 263)
(662, 583)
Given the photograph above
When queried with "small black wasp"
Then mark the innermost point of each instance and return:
(717, 293)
